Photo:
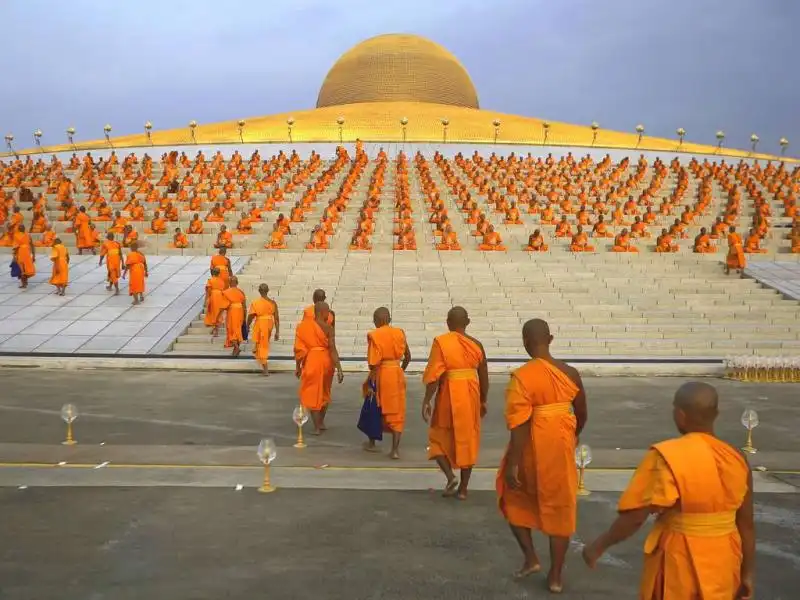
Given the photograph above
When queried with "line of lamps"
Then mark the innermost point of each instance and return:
(340, 121)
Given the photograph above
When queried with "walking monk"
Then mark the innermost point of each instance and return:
(388, 356)
(735, 258)
(537, 482)
(136, 263)
(457, 374)
(214, 301)
(702, 544)
(222, 263)
(316, 358)
(264, 311)
(111, 250)
(233, 303)
(24, 255)
(60, 274)
(308, 311)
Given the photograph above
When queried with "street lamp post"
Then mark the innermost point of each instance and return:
(340, 123)
(720, 139)
(192, 127)
(681, 134)
(9, 139)
(445, 123)
(403, 123)
(107, 132)
(754, 142)
(640, 131)
(37, 138)
(595, 128)
(496, 124)
(290, 124)
(546, 128)
(71, 137)
(148, 126)
(784, 144)
(241, 124)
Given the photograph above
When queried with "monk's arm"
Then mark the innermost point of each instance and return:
(277, 321)
(745, 525)
(406, 357)
(520, 435)
(625, 525)
(483, 378)
(250, 318)
(579, 406)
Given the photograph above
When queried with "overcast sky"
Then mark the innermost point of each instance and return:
(699, 64)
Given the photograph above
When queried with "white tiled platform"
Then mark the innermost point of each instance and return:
(90, 320)
(781, 276)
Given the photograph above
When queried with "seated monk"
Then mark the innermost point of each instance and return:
(406, 240)
(563, 229)
(48, 238)
(276, 239)
(512, 215)
(170, 212)
(119, 223)
(753, 244)
(622, 243)
(492, 241)
(297, 214)
(70, 212)
(129, 235)
(639, 229)
(224, 238)
(702, 243)
(718, 229)
(649, 216)
(196, 225)
(600, 229)
(665, 242)
(795, 239)
(245, 224)
(536, 242)
(38, 223)
(158, 224)
(481, 227)
(548, 215)
(449, 240)
(583, 215)
(319, 241)
(283, 223)
(360, 241)
(580, 241)
(677, 229)
(137, 212)
(103, 212)
(216, 214)
(179, 240)
(255, 212)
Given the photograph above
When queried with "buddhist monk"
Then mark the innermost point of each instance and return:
(196, 225)
(136, 265)
(388, 356)
(119, 223)
(563, 229)
(111, 251)
(702, 243)
(457, 375)
(234, 302)
(580, 241)
(316, 358)
(83, 233)
(665, 242)
(735, 258)
(214, 300)
(492, 241)
(224, 238)
(537, 482)
(158, 224)
(600, 228)
(318, 241)
(753, 244)
(179, 239)
(59, 276)
(319, 296)
(622, 243)
(24, 255)
(277, 239)
(536, 242)
(702, 544)
(221, 262)
(48, 238)
(264, 312)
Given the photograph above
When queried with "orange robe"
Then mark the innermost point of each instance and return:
(224, 240)
(221, 262)
(735, 258)
(547, 501)
(196, 226)
(753, 245)
(23, 253)
(233, 303)
(694, 550)
(118, 225)
(311, 347)
(215, 301)
(455, 427)
(308, 313)
(112, 250)
(702, 245)
(179, 240)
(135, 261)
(47, 239)
(83, 233)
(60, 274)
(264, 310)
(580, 243)
(386, 347)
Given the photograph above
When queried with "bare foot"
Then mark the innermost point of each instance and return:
(322, 427)
(370, 447)
(108, 288)
(528, 569)
(394, 455)
(316, 432)
(555, 587)
(237, 351)
(461, 495)
(451, 489)
(266, 373)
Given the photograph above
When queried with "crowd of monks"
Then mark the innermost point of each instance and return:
(702, 544)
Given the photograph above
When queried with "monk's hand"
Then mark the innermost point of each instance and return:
(591, 554)
(339, 375)
(297, 372)
(746, 588)
(426, 411)
(511, 475)
(483, 409)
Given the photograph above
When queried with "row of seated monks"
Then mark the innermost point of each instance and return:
(479, 186)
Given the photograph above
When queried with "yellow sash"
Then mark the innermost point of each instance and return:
(390, 363)
(691, 524)
(236, 304)
(461, 374)
(556, 408)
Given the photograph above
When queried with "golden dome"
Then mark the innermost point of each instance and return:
(398, 67)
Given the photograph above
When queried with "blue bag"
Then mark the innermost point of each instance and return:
(370, 422)
(16, 272)
(245, 331)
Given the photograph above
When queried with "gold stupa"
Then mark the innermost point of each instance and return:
(399, 88)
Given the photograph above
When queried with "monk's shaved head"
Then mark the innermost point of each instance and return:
(381, 316)
(263, 289)
(696, 407)
(457, 318)
(234, 281)
(319, 296)
(536, 338)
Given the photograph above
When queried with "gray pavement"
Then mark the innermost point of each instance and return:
(188, 412)
(79, 544)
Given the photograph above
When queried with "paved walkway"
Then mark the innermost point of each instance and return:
(784, 277)
(90, 320)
